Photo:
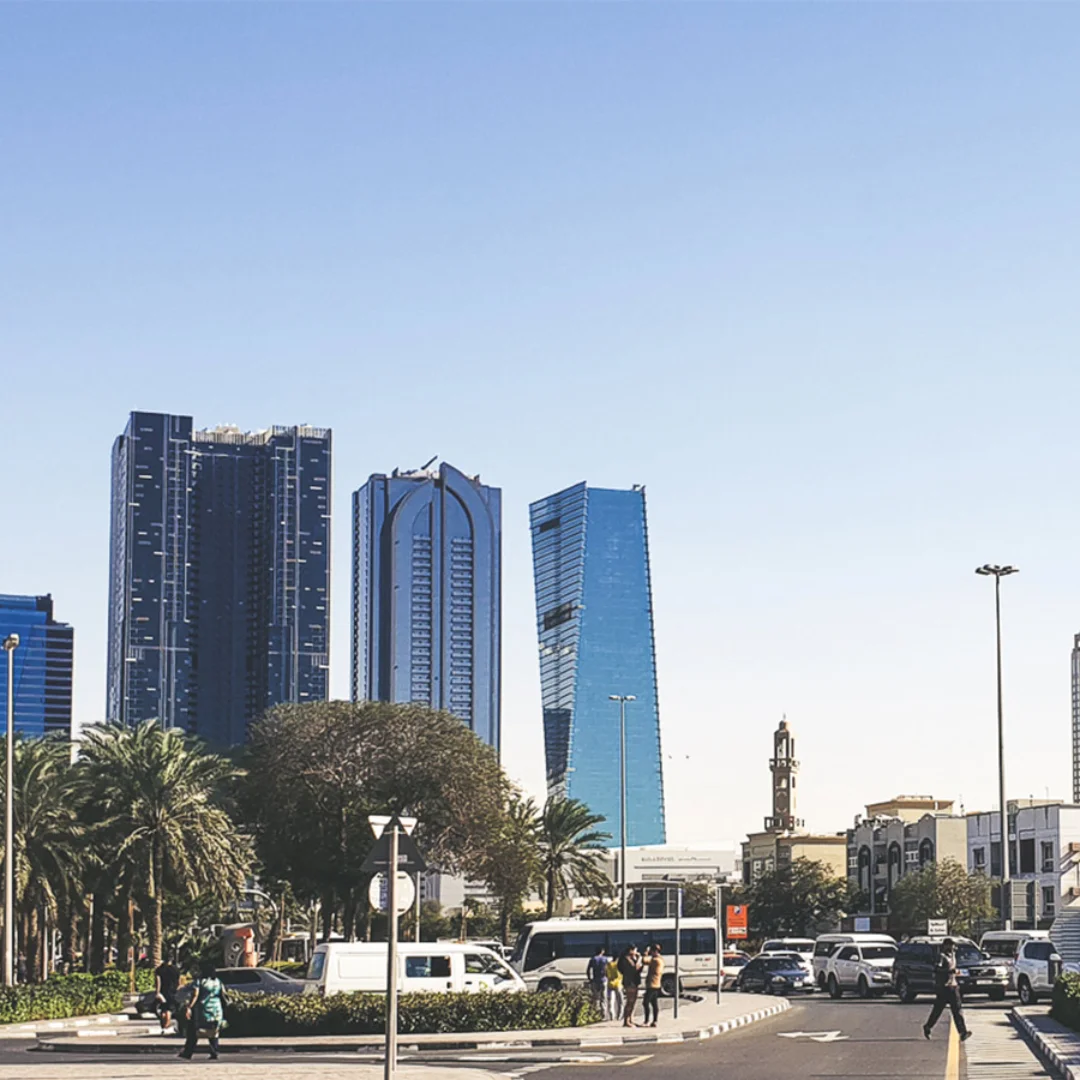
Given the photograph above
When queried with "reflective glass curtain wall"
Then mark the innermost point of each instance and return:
(595, 627)
(44, 664)
(219, 598)
(427, 594)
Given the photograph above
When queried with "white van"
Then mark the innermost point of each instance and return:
(827, 944)
(340, 967)
(1004, 946)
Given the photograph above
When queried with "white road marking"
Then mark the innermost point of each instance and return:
(814, 1036)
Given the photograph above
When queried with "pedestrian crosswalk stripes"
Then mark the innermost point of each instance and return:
(997, 1050)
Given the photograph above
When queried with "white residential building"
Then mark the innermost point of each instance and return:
(1044, 863)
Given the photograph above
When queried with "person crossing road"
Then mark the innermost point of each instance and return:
(948, 992)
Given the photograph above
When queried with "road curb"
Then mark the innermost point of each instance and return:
(72, 1045)
(94, 1023)
(1064, 1069)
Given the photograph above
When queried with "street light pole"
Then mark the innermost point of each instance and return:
(998, 572)
(622, 699)
(11, 643)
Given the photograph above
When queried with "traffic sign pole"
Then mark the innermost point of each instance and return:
(391, 960)
(719, 941)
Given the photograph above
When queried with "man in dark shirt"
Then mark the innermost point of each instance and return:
(166, 985)
(630, 970)
(948, 991)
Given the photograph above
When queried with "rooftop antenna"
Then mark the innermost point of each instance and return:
(427, 464)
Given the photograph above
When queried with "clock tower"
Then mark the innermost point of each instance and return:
(784, 768)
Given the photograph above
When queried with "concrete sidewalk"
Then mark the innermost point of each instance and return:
(97, 1022)
(1057, 1043)
(697, 1020)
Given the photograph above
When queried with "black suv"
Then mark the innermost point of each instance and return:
(977, 973)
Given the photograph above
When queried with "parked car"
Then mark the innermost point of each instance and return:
(827, 944)
(257, 980)
(433, 967)
(1003, 946)
(977, 973)
(861, 966)
(802, 946)
(734, 962)
(773, 975)
(1035, 970)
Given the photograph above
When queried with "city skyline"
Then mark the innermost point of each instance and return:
(219, 574)
(427, 594)
(817, 295)
(594, 624)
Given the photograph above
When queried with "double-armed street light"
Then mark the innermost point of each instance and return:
(998, 572)
(11, 643)
(622, 699)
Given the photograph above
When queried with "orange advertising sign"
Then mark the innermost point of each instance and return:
(737, 920)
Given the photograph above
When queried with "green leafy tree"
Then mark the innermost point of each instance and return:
(942, 890)
(156, 805)
(48, 839)
(571, 852)
(512, 863)
(797, 900)
(315, 772)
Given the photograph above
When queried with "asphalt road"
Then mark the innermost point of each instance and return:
(817, 1038)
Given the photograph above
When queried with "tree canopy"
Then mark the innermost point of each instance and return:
(797, 900)
(942, 890)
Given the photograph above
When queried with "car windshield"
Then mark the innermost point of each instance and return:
(878, 952)
(780, 963)
(738, 960)
(968, 954)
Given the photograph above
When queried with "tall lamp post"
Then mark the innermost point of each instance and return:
(11, 643)
(998, 572)
(622, 699)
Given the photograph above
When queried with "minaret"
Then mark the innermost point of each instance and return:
(784, 769)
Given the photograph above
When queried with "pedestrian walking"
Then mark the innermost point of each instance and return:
(948, 991)
(630, 969)
(596, 973)
(205, 1012)
(654, 980)
(615, 1006)
(166, 985)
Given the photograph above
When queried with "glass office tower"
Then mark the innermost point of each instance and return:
(44, 664)
(595, 623)
(220, 574)
(427, 566)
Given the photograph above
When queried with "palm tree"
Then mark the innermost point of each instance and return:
(571, 851)
(512, 864)
(157, 798)
(48, 839)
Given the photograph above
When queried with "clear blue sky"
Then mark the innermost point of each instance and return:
(809, 272)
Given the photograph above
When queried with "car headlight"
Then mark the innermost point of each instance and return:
(964, 973)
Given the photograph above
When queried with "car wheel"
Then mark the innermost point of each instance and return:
(864, 987)
(997, 994)
(547, 985)
(667, 985)
(821, 980)
(904, 991)
(1024, 989)
(834, 988)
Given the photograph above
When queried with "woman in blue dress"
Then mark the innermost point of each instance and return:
(205, 1012)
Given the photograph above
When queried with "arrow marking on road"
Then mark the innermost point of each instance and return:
(815, 1036)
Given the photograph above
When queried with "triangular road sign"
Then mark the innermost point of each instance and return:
(409, 858)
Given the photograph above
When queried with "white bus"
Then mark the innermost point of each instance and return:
(552, 954)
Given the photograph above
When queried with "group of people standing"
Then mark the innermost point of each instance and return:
(616, 983)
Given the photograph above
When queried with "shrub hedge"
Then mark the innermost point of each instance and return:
(418, 1014)
(63, 996)
(1066, 1000)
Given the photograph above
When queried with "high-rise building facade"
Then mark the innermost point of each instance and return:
(1076, 718)
(43, 664)
(427, 586)
(219, 592)
(594, 618)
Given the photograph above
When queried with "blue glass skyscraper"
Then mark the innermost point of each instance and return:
(427, 580)
(595, 623)
(220, 574)
(43, 664)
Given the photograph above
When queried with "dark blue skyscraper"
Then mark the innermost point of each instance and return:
(427, 552)
(220, 574)
(43, 664)
(595, 623)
